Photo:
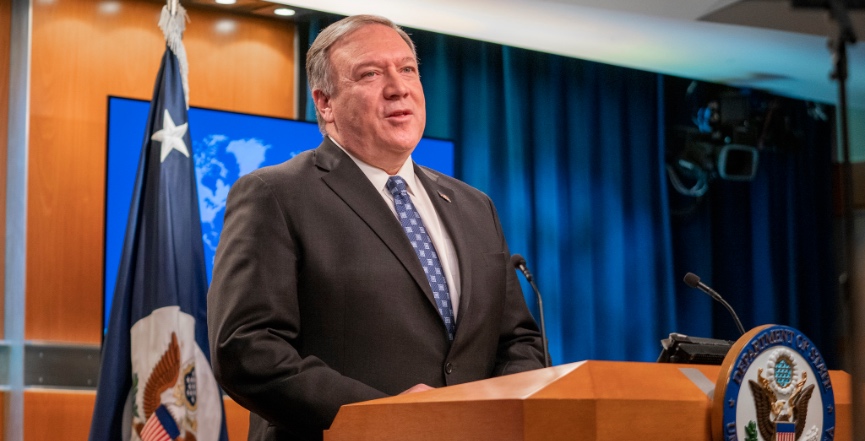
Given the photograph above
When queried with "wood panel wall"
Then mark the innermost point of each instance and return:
(62, 414)
(5, 36)
(51, 415)
(82, 52)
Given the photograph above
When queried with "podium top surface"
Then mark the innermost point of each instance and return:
(584, 380)
(591, 400)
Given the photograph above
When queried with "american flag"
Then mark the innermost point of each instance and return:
(160, 426)
(162, 274)
(785, 431)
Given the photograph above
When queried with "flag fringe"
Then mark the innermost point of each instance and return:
(173, 21)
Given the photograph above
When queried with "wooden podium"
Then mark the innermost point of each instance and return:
(590, 400)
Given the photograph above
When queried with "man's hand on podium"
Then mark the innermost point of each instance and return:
(416, 388)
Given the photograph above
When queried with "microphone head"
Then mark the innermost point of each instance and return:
(517, 261)
(692, 280)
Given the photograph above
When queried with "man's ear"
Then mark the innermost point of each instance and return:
(322, 104)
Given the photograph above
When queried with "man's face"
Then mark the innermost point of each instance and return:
(377, 111)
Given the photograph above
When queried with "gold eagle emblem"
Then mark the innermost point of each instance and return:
(162, 378)
(771, 409)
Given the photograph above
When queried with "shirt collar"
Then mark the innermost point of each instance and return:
(379, 177)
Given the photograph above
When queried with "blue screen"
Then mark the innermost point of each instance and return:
(226, 146)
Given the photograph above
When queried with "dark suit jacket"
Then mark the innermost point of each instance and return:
(318, 299)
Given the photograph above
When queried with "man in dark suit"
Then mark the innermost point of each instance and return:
(336, 281)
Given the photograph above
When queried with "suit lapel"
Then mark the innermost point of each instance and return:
(353, 187)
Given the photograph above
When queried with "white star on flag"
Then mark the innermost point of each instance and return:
(171, 137)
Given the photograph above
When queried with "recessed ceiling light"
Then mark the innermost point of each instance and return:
(226, 26)
(109, 7)
(285, 12)
(226, 2)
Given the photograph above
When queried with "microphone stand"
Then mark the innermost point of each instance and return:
(543, 325)
(519, 263)
(855, 334)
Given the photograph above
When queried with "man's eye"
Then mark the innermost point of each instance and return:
(368, 74)
(409, 69)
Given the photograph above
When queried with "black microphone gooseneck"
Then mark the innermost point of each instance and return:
(519, 263)
(694, 282)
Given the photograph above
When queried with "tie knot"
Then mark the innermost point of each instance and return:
(396, 185)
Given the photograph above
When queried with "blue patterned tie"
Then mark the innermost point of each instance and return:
(423, 247)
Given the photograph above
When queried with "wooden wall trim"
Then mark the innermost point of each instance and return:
(81, 54)
(5, 39)
(857, 173)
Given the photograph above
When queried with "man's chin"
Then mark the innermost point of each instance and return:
(407, 137)
(403, 143)
(403, 147)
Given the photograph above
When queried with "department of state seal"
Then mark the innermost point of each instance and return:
(773, 386)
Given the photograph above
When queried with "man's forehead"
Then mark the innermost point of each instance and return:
(374, 36)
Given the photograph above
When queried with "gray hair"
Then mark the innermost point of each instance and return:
(319, 71)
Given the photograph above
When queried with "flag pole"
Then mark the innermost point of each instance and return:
(156, 339)
(172, 22)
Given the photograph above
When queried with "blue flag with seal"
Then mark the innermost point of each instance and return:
(155, 380)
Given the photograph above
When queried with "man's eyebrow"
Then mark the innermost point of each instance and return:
(376, 63)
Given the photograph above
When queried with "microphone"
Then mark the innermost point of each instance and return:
(693, 281)
(519, 263)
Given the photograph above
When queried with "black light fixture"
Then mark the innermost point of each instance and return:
(700, 162)
(737, 162)
(720, 144)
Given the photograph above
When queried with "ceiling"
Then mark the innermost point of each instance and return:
(764, 44)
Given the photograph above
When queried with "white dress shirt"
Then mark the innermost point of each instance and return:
(438, 234)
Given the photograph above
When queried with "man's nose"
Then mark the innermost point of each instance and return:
(396, 85)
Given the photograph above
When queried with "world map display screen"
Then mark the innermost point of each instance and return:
(225, 146)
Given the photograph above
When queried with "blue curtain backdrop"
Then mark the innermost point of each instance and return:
(573, 155)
